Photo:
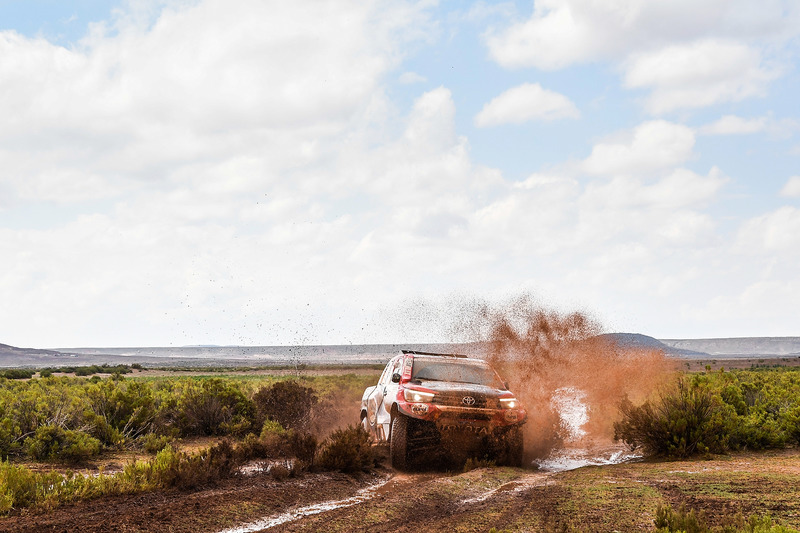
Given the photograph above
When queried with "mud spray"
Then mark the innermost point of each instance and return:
(569, 375)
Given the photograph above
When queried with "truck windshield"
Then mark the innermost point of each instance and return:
(425, 369)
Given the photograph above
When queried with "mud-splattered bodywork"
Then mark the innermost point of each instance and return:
(438, 398)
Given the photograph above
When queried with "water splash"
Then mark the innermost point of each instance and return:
(570, 405)
(578, 451)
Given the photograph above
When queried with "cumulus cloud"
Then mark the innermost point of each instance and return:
(525, 103)
(776, 231)
(698, 74)
(560, 33)
(199, 185)
(734, 125)
(140, 100)
(689, 54)
(792, 187)
(408, 78)
(653, 146)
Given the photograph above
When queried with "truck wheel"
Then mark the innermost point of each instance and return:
(367, 427)
(398, 446)
(514, 447)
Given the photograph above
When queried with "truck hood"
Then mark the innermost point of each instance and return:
(470, 388)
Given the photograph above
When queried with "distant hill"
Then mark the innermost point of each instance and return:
(11, 351)
(11, 356)
(637, 340)
(740, 346)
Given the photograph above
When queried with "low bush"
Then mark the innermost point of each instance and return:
(279, 472)
(287, 402)
(263, 447)
(152, 443)
(668, 520)
(686, 520)
(715, 411)
(53, 443)
(17, 373)
(207, 467)
(684, 420)
(304, 447)
(214, 407)
(347, 450)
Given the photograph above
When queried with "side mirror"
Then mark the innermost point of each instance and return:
(395, 378)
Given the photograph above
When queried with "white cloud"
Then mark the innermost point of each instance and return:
(198, 82)
(761, 306)
(524, 103)
(679, 189)
(688, 54)
(653, 146)
(408, 78)
(792, 187)
(777, 231)
(560, 33)
(665, 213)
(698, 74)
(221, 190)
(734, 125)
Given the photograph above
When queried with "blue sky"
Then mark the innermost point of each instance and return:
(206, 172)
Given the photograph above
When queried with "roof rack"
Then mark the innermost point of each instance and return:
(413, 352)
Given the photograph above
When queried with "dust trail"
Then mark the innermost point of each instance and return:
(545, 353)
(540, 352)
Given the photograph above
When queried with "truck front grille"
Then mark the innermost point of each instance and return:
(461, 399)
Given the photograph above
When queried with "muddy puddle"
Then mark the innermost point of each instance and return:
(361, 496)
(572, 458)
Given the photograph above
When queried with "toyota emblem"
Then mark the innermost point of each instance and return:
(468, 400)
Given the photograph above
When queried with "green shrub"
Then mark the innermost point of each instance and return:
(120, 409)
(684, 420)
(87, 370)
(215, 407)
(17, 373)
(207, 467)
(9, 441)
(791, 424)
(53, 443)
(287, 402)
(348, 450)
(152, 443)
(267, 446)
(668, 521)
(19, 487)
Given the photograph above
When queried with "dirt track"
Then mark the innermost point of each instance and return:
(622, 497)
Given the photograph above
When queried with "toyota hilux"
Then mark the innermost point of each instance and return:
(424, 399)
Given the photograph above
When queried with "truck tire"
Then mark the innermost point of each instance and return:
(365, 424)
(398, 445)
(514, 447)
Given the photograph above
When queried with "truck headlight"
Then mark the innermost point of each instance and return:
(509, 403)
(417, 396)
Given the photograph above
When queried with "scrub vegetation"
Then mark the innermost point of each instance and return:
(715, 412)
(68, 421)
(299, 427)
